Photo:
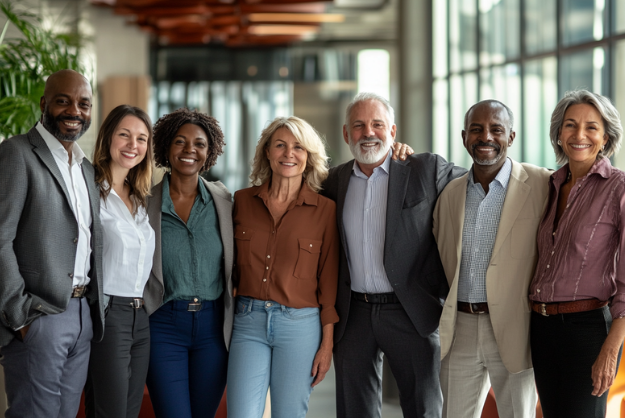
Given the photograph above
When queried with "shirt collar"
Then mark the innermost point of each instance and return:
(305, 195)
(386, 165)
(602, 167)
(503, 177)
(166, 203)
(57, 149)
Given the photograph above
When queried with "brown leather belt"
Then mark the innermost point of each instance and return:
(473, 308)
(79, 291)
(555, 308)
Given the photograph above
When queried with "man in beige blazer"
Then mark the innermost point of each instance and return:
(485, 225)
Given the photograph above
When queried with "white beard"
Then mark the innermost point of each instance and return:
(369, 156)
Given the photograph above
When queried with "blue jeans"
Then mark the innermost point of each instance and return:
(272, 346)
(188, 360)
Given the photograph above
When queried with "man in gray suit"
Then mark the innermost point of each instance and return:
(391, 281)
(50, 261)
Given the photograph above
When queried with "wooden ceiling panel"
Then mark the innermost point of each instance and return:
(224, 21)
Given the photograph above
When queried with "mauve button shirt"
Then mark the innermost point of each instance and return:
(295, 262)
(583, 258)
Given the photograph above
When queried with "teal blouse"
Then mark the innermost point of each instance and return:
(192, 252)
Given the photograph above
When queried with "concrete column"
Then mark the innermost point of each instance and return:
(414, 125)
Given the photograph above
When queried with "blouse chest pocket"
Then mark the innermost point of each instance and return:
(307, 259)
(243, 240)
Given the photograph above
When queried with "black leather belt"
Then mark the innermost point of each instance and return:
(375, 297)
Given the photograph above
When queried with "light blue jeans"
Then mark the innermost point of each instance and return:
(272, 346)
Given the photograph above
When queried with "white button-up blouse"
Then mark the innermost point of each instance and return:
(128, 248)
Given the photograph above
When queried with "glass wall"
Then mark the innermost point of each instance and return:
(526, 53)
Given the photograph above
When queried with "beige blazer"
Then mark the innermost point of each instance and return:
(511, 265)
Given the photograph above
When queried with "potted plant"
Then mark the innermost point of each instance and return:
(26, 62)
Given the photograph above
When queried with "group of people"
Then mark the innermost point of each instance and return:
(506, 274)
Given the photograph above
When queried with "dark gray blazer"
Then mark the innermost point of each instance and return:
(37, 237)
(411, 258)
(153, 293)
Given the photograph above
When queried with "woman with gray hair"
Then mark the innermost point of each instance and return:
(578, 291)
(287, 255)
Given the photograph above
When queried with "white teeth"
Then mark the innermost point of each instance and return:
(187, 160)
(289, 164)
(129, 155)
(72, 124)
(581, 146)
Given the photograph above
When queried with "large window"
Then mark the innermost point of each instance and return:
(526, 53)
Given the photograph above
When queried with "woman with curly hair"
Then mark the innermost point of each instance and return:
(287, 268)
(189, 292)
(119, 363)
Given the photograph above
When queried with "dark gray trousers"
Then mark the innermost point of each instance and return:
(119, 363)
(375, 329)
(45, 374)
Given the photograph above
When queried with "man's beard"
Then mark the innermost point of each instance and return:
(369, 156)
(52, 125)
(493, 145)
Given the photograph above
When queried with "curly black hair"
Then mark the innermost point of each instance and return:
(167, 126)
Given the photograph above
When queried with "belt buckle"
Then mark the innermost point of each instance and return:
(366, 300)
(474, 312)
(136, 303)
(78, 291)
(543, 309)
(194, 307)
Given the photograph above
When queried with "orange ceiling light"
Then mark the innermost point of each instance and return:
(296, 17)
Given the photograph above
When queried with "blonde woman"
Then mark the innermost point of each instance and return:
(287, 253)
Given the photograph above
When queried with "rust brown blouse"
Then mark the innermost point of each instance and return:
(295, 262)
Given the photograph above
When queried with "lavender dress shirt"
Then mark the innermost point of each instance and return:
(583, 257)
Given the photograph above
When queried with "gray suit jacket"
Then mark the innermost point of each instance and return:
(411, 258)
(153, 293)
(37, 237)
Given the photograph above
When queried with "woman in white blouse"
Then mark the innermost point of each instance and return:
(119, 363)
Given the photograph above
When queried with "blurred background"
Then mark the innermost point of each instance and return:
(248, 61)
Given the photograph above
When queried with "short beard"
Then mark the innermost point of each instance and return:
(486, 162)
(368, 157)
(52, 125)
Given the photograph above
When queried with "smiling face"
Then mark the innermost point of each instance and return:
(66, 106)
(287, 157)
(582, 133)
(488, 134)
(369, 133)
(188, 150)
(129, 143)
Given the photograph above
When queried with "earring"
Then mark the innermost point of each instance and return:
(559, 142)
(603, 147)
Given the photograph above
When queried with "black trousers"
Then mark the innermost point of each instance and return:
(564, 348)
(375, 329)
(119, 363)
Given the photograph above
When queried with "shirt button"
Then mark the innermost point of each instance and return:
(311, 245)
(75, 240)
(547, 265)
(537, 290)
(268, 256)
(243, 232)
(267, 268)
(552, 252)
(71, 275)
(554, 233)
(264, 280)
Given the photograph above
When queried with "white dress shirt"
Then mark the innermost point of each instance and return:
(128, 248)
(79, 199)
(364, 219)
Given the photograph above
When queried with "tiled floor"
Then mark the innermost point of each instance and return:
(323, 404)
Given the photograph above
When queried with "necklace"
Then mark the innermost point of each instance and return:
(568, 177)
